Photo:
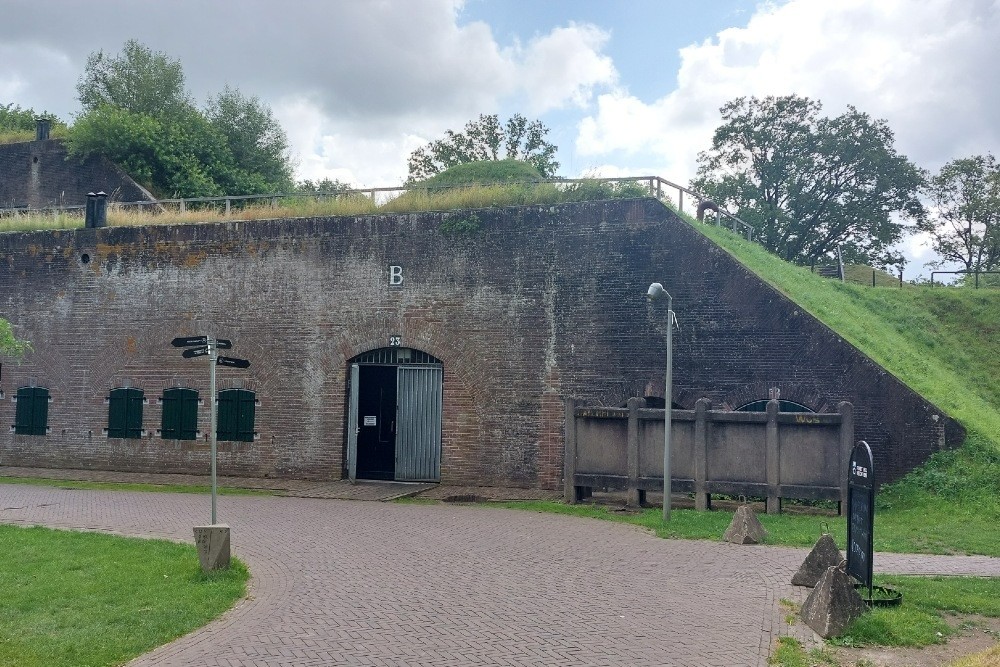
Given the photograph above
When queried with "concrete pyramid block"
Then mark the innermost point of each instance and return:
(824, 554)
(745, 528)
(833, 604)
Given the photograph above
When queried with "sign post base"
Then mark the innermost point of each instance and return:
(213, 546)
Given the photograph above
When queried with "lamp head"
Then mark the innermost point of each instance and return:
(656, 291)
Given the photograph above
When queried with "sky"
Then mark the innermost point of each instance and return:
(626, 87)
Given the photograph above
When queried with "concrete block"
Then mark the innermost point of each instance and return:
(833, 604)
(824, 554)
(745, 528)
(213, 546)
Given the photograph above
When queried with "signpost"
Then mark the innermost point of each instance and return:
(860, 515)
(201, 346)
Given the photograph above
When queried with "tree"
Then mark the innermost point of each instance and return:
(487, 139)
(137, 80)
(138, 114)
(808, 183)
(963, 217)
(9, 344)
(256, 140)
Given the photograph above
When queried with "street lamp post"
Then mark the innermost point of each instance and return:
(654, 292)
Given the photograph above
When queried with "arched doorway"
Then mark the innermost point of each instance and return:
(394, 416)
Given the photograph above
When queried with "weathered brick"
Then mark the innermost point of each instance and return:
(540, 304)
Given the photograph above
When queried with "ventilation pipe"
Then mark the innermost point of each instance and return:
(42, 126)
(97, 210)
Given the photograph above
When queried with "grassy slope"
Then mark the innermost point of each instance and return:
(941, 342)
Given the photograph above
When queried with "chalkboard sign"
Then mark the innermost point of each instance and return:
(860, 514)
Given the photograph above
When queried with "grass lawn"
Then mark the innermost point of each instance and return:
(73, 599)
(128, 486)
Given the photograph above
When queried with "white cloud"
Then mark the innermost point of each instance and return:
(564, 67)
(926, 67)
(357, 85)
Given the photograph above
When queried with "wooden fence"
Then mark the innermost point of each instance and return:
(771, 454)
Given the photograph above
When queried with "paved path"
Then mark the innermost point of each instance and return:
(362, 583)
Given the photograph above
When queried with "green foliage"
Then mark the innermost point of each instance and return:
(138, 81)
(963, 218)
(9, 344)
(322, 186)
(137, 113)
(484, 172)
(594, 189)
(486, 139)
(17, 124)
(810, 183)
(459, 224)
(92, 599)
(256, 141)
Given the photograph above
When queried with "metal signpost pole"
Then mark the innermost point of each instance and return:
(213, 354)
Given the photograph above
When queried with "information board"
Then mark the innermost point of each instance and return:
(860, 514)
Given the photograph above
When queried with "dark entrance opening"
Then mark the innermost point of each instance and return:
(394, 416)
(376, 422)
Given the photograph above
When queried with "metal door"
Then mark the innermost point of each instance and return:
(352, 427)
(418, 423)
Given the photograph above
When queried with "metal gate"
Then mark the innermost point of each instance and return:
(352, 427)
(418, 414)
(418, 434)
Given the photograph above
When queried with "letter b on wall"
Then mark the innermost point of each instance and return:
(395, 275)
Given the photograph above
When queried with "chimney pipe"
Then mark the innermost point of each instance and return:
(97, 210)
(42, 126)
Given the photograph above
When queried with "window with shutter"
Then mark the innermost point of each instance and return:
(125, 413)
(237, 410)
(32, 414)
(179, 420)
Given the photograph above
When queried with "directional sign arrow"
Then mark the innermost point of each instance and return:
(230, 361)
(195, 352)
(223, 343)
(189, 341)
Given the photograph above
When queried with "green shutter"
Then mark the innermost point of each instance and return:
(32, 414)
(125, 413)
(133, 413)
(245, 420)
(236, 415)
(170, 416)
(180, 414)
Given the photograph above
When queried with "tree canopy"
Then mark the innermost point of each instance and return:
(487, 139)
(963, 216)
(138, 114)
(809, 183)
(137, 80)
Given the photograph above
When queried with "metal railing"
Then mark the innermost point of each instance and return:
(664, 190)
(966, 272)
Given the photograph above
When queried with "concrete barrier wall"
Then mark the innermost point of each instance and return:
(769, 454)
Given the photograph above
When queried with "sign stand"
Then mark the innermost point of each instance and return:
(201, 346)
(861, 515)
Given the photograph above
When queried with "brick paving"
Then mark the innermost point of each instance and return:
(360, 583)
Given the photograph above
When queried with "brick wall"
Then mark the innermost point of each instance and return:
(539, 304)
(37, 174)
